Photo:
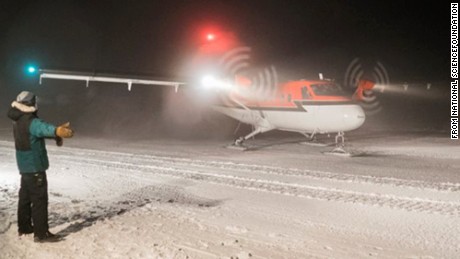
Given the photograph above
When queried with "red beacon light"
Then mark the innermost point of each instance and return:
(210, 37)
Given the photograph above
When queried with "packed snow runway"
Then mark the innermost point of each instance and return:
(170, 198)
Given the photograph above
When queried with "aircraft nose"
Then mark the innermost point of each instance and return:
(353, 117)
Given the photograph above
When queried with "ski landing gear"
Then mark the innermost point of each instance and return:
(239, 142)
(312, 141)
(339, 149)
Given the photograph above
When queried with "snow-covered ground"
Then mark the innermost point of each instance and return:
(166, 198)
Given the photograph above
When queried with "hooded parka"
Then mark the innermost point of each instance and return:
(29, 136)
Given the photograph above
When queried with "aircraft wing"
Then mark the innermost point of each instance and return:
(98, 77)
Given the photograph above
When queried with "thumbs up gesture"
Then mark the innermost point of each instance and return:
(64, 131)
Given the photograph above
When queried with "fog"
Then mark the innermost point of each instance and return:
(109, 110)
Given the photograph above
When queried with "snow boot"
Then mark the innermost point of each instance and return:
(47, 238)
(25, 232)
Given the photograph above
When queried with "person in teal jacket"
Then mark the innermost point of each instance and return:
(30, 133)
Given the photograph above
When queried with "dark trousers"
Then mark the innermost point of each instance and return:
(33, 204)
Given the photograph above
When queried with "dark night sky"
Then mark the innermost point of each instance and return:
(411, 38)
(154, 36)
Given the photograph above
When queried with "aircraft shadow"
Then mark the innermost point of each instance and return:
(323, 145)
(268, 144)
(384, 134)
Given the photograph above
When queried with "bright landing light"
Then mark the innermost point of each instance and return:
(209, 81)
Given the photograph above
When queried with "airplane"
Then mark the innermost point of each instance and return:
(309, 107)
(255, 97)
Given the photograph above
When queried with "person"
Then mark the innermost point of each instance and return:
(32, 161)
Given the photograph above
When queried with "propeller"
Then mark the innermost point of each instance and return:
(249, 82)
(365, 81)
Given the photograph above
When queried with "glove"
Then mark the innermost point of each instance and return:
(59, 141)
(64, 131)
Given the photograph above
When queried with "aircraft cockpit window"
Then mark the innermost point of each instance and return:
(305, 93)
(327, 90)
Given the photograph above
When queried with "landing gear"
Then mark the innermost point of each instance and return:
(340, 139)
(239, 142)
(311, 140)
(339, 146)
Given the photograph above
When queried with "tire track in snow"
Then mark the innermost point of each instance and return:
(439, 186)
(277, 187)
(174, 167)
(142, 158)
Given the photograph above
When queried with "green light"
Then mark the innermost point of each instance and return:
(31, 69)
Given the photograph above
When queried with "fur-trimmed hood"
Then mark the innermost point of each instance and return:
(19, 109)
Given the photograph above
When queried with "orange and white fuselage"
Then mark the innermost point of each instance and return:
(300, 106)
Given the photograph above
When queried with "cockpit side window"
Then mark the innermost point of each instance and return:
(327, 90)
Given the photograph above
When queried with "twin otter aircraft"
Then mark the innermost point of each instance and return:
(308, 107)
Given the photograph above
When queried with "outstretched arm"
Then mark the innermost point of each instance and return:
(42, 129)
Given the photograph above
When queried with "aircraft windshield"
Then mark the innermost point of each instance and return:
(327, 90)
